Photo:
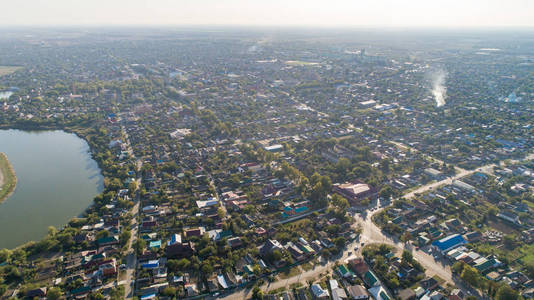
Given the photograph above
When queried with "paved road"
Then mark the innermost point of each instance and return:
(131, 258)
(433, 185)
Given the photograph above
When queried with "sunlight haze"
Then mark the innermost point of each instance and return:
(334, 13)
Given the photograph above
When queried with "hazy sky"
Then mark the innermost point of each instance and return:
(352, 13)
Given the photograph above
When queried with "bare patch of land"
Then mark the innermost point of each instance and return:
(6, 70)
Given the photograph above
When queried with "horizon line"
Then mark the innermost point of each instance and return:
(261, 26)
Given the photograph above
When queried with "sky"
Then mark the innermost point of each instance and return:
(318, 13)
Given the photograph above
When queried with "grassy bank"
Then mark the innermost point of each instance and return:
(9, 179)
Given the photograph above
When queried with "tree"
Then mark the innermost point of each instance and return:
(177, 265)
(4, 255)
(97, 296)
(125, 237)
(505, 292)
(340, 202)
(221, 213)
(406, 236)
(52, 231)
(407, 257)
(471, 276)
(206, 268)
(529, 269)
(139, 246)
(53, 293)
(277, 255)
(169, 291)
(3, 289)
(257, 293)
(510, 241)
(102, 234)
(458, 267)
(386, 192)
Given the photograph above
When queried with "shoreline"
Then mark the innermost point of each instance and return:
(8, 178)
(76, 131)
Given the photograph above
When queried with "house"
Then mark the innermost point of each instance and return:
(235, 242)
(463, 186)
(180, 250)
(433, 296)
(344, 272)
(359, 266)
(39, 293)
(453, 225)
(528, 293)
(510, 217)
(108, 268)
(274, 148)
(406, 294)
(194, 232)
(222, 281)
(370, 278)
(433, 173)
(419, 292)
(81, 291)
(473, 236)
(448, 243)
(379, 293)
(318, 292)
(107, 241)
(338, 294)
(269, 247)
(429, 283)
(357, 292)
(295, 251)
(302, 295)
(354, 191)
(175, 238)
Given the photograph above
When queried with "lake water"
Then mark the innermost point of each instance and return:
(5, 95)
(57, 180)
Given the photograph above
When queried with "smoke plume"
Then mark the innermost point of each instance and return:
(439, 90)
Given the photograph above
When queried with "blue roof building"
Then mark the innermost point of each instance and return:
(448, 243)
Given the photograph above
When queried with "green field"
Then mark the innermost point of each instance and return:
(6, 70)
(8, 179)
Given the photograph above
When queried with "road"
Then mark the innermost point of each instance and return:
(131, 258)
(433, 185)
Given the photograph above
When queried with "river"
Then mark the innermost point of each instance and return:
(57, 180)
